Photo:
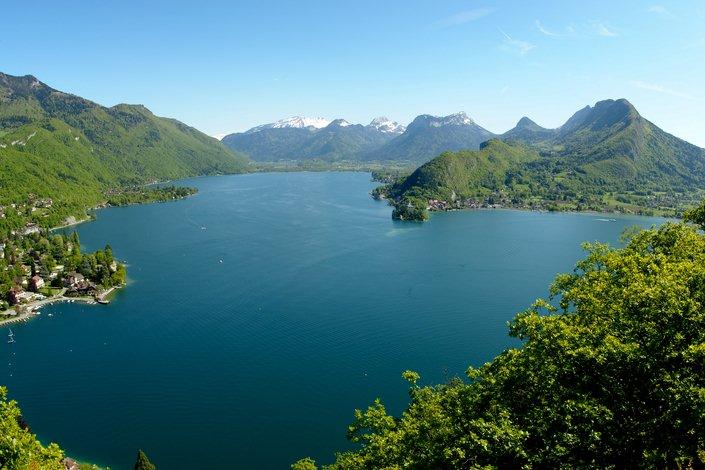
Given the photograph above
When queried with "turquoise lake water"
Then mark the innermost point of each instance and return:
(262, 311)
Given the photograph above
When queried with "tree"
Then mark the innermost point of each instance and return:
(143, 462)
(610, 375)
(304, 464)
(696, 216)
(19, 448)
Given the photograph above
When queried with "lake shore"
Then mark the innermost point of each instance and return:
(28, 310)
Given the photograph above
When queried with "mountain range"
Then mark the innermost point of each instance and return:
(58, 145)
(381, 141)
(301, 138)
(606, 156)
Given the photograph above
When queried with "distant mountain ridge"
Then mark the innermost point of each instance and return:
(306, 139)
(295, 122)
(382, 140)
(428, 136)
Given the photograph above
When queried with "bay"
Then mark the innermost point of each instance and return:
(262, 311)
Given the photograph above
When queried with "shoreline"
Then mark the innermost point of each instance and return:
(546, 211)
(28, 310)
(73, 224)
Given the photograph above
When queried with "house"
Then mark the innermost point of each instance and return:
(74, 279)
(18, 295)
(44, 202)
(30, 228)
(36, 283)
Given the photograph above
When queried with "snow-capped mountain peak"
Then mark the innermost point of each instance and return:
(340, 123)
(386, 125)
(298, 122)
(457, 119)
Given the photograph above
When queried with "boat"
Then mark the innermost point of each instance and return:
(10, 337)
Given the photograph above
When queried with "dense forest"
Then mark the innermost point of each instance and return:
(609, 375)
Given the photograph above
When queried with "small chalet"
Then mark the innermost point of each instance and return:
(36, 283)
(18, 295)
(74, 279)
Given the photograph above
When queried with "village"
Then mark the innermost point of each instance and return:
(39, 267)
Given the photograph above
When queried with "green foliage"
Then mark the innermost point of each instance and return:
(410, 209)
(604, 158)
(304, 464)
(465, 173)
(609, 376)
(696, 216)
(19, 448)
(141, 195)
(57, 145)
(43, 252)
(143, 462)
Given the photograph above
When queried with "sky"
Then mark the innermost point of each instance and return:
(226, 66)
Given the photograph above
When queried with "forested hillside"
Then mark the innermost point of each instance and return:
(60, 146)
(606, 157)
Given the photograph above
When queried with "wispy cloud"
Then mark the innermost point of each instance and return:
(604, 30)
(515, 45)
(503, 91)
(660, 89)
(545, 31)
(660, 10)
(462, 18)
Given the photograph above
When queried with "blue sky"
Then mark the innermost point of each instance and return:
(227, 66)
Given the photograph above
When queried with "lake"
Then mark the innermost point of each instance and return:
(262, 311)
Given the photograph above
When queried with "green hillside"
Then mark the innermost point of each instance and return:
(467, 173)
(57, 145)
(336, 142)
(606, 157)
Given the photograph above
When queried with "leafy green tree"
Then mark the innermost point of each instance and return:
(143, 462)
(304, 464)
(610, 375)
(696, 216)
(19, 448)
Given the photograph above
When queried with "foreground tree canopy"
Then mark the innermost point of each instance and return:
(19, 448)
(611, 374)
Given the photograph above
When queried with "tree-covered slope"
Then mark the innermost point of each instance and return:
(609, 375)
(342, 141)
(604, 157)
(611, 145)
(464, 174)
(269, 145)
(54, 144)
